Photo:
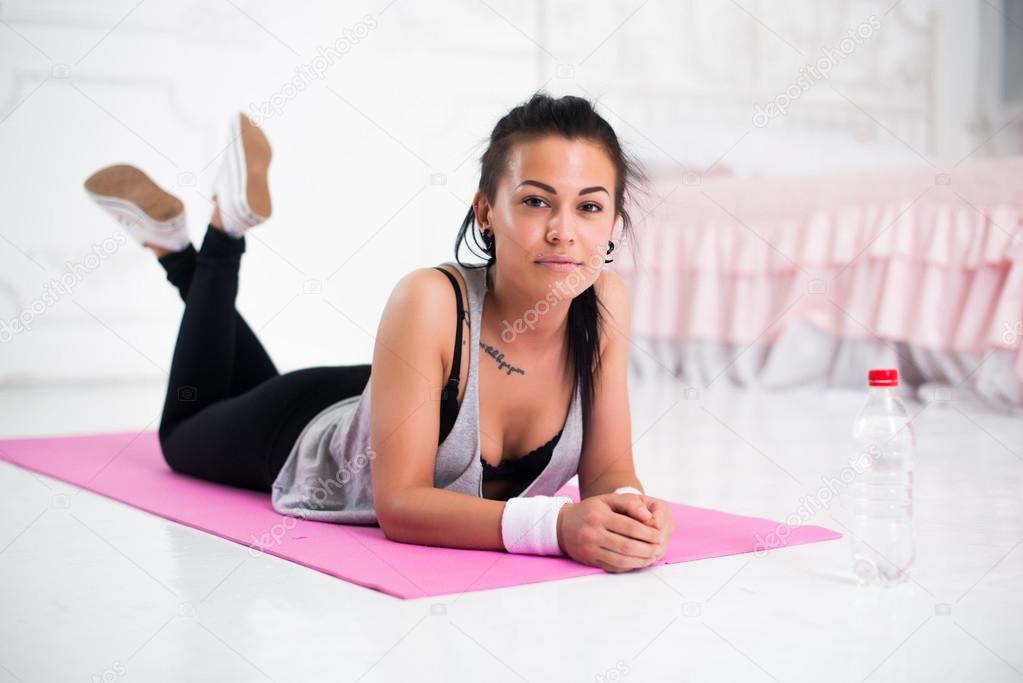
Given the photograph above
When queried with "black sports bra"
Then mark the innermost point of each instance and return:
(524, 469)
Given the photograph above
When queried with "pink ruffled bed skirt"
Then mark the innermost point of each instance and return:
(926, 260)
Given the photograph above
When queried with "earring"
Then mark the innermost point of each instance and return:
(610, 248)
(488, 240)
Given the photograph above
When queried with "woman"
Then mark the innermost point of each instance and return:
(337, 443)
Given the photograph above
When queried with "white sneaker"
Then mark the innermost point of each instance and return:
(241, 190)
(150, 214)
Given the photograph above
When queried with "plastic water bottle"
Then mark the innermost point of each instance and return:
(883, 544)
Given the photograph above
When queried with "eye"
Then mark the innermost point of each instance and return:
(536, 198)
(596, 210)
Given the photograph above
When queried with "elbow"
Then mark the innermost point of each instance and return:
(400, 515)
(390, 522)
(386, 522)
(392, 532)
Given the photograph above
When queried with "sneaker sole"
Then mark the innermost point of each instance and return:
(131, 185)
(257, 156)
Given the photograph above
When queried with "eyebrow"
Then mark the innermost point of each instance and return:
(548, 188)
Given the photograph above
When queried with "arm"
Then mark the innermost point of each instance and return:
(407, 377)
(432, 516)
(606, 464)
(606, 460)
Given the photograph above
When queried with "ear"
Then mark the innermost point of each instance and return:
(481, 207)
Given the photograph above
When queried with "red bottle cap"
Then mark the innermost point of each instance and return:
(883, 378)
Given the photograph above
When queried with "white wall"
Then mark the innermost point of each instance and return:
(376, 160)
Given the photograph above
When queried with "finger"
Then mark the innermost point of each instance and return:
(627, 526)
(652, 560)
(617, 561)
(659, 512)
(640, 513)
(662, 539)
(638, 509)
(624, 545)
(662, 513)
(630, 504)
(606, 567)
(661, 550)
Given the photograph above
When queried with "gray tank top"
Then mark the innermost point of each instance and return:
(327, 475)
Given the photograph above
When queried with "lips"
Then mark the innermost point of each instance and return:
(558, 259)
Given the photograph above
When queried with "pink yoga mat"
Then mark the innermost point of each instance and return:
(130, 468)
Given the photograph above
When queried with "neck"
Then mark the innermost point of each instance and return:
(520, 319)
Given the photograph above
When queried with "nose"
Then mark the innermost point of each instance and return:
(561, 227)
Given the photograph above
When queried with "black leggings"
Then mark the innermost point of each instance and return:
(229, 416)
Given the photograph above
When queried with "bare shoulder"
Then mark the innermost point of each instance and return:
(421, 310)
(423, 285)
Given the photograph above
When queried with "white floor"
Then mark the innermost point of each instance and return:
(96, 590)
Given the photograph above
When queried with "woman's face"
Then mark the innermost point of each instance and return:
(556, 197)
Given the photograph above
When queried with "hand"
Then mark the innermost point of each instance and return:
(658, 516)
(609, 532)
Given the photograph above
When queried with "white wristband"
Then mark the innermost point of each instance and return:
(628, 489)
(530, 525)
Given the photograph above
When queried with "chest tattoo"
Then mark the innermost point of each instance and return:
(499, 357)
